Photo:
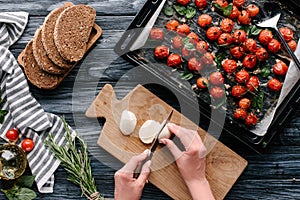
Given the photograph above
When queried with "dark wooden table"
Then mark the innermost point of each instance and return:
(274, 174)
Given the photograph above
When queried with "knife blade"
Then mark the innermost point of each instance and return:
(154, 145)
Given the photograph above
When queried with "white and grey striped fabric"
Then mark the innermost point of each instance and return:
(24, 112)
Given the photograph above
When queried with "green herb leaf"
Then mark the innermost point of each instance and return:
(181, 10)
(257, 101)
(246, 29)
(265, 71)
(218, 6)
(190, 46)
(227, 10)
(26, 194)
(187, 75)
(219, 58)
(25, 181)
(2, 115)
(185, 40)
(255, 30)
(190, 12)
(168, 11)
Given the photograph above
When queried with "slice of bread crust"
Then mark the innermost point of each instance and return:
(41, 57)
(72, 31)
(48, 38)
(34, 73)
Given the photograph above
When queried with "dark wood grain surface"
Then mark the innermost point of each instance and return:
(275, 174)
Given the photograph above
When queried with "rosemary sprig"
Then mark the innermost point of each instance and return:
(76, 162)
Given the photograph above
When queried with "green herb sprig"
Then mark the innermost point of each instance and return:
(76, 162)
(2, 112)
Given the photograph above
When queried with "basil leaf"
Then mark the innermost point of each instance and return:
(265, 71)
(190, 12)
(25, 181)
(246, 29)
(189, 46)
(168, 11)
(227, 11)
(218, 6)
(219, 59)
(181, 10)
(26, 194)
(186, 75)
(12, 193)
(185, 40)
(2, 115)
(260, 100)
(255, 30)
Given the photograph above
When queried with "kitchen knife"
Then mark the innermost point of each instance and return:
(155, 143)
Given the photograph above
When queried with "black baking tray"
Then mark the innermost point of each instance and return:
(183, 91)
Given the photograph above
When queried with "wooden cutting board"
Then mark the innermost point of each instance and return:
(223, 166)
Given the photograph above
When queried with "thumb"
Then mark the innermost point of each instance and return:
(172, 147)
(143, 178)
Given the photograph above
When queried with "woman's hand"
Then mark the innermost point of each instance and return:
(127, 187)
(191, 162)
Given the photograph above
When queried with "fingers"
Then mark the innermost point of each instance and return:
(143, 178)
(172, 147)
(134, 161)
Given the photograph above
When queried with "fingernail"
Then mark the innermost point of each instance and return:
(163, 141)
(170, 125)
(146, 151)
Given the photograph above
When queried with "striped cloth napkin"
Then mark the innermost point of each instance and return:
(24, 112)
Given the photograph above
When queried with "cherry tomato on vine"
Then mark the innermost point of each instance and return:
(177, 42)
(27, 144)
(252, 84)
(287, 33)
(227, 25)
(229, 66)
(274, 46)
(242, 76)
(240, 114)
(201, 3)
(207, 59)
(222, 3)
(172, 25)
(253, 10)
(274, 84)
(262, 54)
(244, 18)
(174, 60)
(251, 119)
(202, 46)
(157, 34)
(225, 39)
(265, 36)
(239, 36)
(161, 52)
(234, 13)
(213, 33)
(194, 38)
(186, 53)
(204, 20)
(183, 2)
(216, 92)
(280, 68)
(244, 103)
(202, 83)
(12, 134)
(238, 91)
(293, 45)
(183, 29)
(249, 61)
(216, 78)
(194, 64)
(237, 52)
(238, 3)
(250, 45)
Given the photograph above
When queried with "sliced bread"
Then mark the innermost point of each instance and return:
(72, 31)
(41, 57)
(48, 38)
(34, 73)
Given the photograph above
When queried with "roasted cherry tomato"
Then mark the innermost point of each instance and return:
(242, 76)
(204, 20)
(251, 119)
(183, 29)
(238, 91)
(216, 92)
(161, 52)
(12, 134)
(252, 84)
(265, 36)
(157, 34)
(27, 144)
(207, 59)
(252, 9)
(240, 114)
(222, 3)
(237, 52)
(234, 13)
(250, 61)
(202, 46)
(177, 42)
(287, 33)
(239, 36)
(172, 25)
(194, 38)
(280, 68)
(274, 84)
(229, 66)
(201, 3)
(274, 46)
(238, 3)
(216, 78)
(183, 2)
(244, 18)
(225, 39)
(250, 45)
(213, 33)
(244, 103)
(202, 83)
(174, 60)
(227, 25)
(194, 64)
(262, 54)
(186, 53)
(293, 45)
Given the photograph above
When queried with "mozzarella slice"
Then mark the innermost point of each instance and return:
(127, 122)
(148, 130)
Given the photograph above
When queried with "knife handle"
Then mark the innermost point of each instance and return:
(138, 168)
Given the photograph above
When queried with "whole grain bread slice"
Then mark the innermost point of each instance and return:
(41, 57)
(48, 37)
(34, 73)
(72, 31)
